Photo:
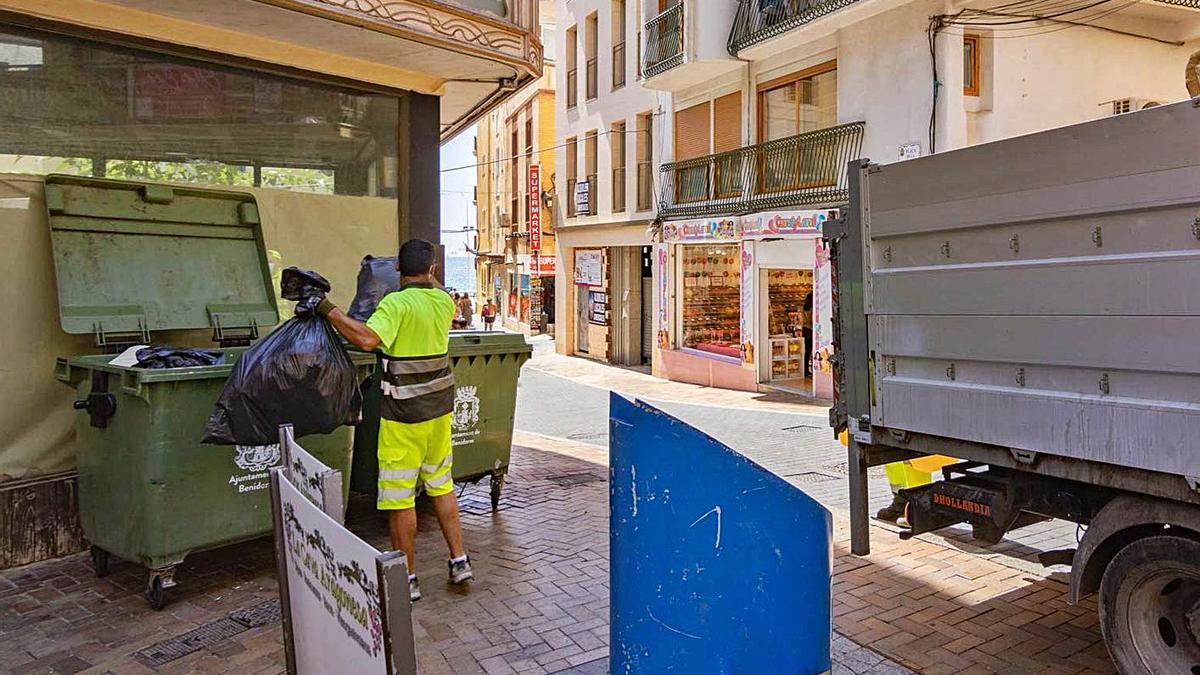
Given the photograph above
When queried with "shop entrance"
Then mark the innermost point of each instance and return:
(789, 323)
(647, 305)
(581, 319)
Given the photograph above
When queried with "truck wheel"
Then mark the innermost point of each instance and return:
(1150, 606)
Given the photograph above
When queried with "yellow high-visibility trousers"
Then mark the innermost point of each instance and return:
(409, 453)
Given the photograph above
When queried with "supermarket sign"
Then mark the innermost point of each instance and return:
(542, 265)
(535, 207)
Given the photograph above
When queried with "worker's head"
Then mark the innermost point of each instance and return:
(417, 261)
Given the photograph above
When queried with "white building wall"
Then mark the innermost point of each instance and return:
(605, 228)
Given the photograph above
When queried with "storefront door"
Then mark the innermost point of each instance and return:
(581, 319)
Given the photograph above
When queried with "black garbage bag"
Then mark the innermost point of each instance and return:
(376, 278)
(299, 374)
(164, 356)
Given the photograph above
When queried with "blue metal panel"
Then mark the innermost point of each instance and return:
(718, 565)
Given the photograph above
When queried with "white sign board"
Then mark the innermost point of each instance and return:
(319, 483)
(333, 591)
(910, 151)
(589, 267)
(583, 198)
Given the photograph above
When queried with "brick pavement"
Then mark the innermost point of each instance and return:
(540, 604)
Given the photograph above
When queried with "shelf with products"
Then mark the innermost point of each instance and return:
(787, 291)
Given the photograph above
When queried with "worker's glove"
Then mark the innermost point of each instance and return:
(325, 307)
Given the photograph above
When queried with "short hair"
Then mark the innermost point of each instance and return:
(416, 257)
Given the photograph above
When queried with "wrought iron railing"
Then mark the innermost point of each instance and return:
(618, 64)
(759, 20)
(593, 84)
(664, 42)
(804, 170)
(645, 185)
(618, 189)
(572, 87)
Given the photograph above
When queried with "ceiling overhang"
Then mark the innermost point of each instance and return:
(469, 56)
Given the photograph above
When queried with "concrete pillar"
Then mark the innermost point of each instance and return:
(419, 178)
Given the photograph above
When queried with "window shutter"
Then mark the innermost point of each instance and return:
(692, 132)
(727, 122)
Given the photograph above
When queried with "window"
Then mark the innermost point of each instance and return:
(70, 105)
(617, 145)
(549, 48)
(645, 161)
(529, 160)
(693, 140)
(514, 178)
(572, 72)
(787, 107)
(798, 103)
(589, 164)
(711, 292)
(590, 39)
(618, 48)
(971, 65)
(572, 173)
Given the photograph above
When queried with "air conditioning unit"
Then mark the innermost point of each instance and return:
(1121, 106)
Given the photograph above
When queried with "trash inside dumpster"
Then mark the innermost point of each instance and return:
(134, 261)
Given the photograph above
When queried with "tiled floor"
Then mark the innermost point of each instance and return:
(540, 604)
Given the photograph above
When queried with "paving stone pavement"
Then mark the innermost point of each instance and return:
(540, 604)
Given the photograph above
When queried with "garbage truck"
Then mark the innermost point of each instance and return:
(1032, 308)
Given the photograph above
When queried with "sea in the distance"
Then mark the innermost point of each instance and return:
(460, 272)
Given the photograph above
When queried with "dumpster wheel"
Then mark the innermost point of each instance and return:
(157, 585)
(497, 487)
(101, 561)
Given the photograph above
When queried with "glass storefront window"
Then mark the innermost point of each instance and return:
(711, 298)
(74, 106)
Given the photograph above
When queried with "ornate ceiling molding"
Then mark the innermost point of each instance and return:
(440, 25)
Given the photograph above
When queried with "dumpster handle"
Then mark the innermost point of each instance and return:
(131, 383)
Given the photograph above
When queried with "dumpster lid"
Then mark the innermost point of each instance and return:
(131, 258)
(472, 343)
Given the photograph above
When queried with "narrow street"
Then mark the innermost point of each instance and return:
(540, 602)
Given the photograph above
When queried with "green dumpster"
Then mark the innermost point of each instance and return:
(133, 261)
(486, 367)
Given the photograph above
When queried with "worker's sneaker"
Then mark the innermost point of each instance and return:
(892, 512)
(414, 589)
(460, 571)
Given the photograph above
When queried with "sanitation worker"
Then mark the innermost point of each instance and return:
(411, 328)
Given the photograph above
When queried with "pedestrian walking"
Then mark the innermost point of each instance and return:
(489, 314)
(467, 310)
(412, 329)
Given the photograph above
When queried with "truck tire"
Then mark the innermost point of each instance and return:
(1150, 606)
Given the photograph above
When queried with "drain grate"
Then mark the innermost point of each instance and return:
(193, 641)
(573, 479)
(262, 614)
(162, 653)
(809, 477)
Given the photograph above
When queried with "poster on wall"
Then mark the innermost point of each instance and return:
(598, 308)
(661, 301)
(525, 298)
(822, 320)
(589, 267)
(747, 301)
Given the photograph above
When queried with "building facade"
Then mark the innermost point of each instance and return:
(515, 177)
(769, 100)
(330, 113)
(609, 138)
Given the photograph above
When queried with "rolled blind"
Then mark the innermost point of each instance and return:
(727, 122)
(692, 132)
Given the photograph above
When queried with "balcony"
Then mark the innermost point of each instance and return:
(761, 20)
(664, 42)
(686, 44)
(804, 170)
